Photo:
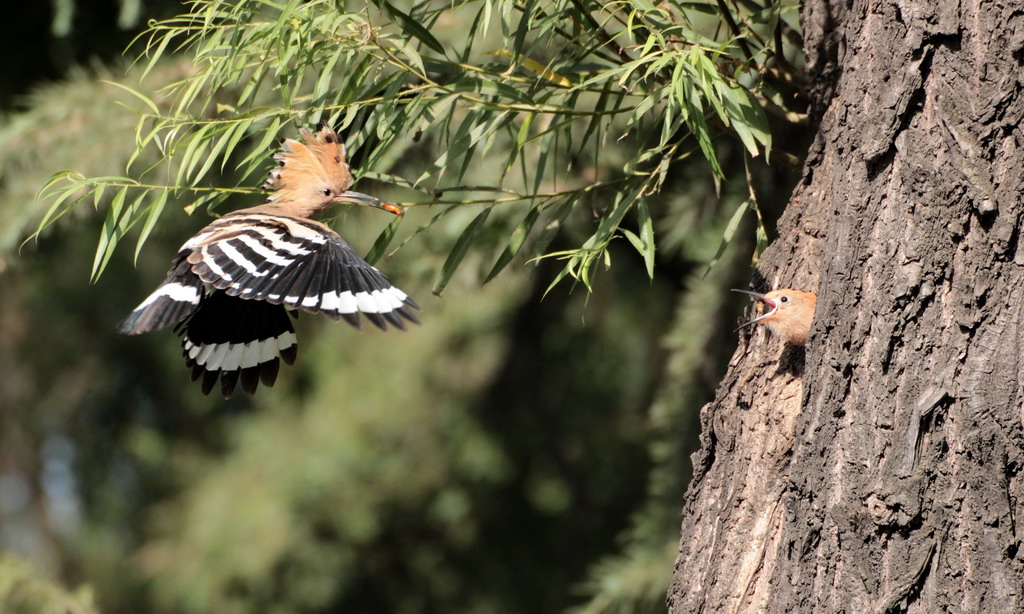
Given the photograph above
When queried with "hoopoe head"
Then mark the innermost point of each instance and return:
(314, 174)
(788, 314)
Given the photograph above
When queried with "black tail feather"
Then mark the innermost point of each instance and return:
(232, 339)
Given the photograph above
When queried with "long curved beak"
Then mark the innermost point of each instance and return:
(772, 306)
(358, 198)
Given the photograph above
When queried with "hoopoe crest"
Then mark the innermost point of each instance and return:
(231, 286)
(789, 313)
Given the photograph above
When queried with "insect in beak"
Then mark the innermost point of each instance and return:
(772, 306)
(358, 198)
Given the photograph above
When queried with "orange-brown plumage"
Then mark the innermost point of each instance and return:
(313, 175)
(789, 315)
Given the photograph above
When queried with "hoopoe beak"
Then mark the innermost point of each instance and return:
(772, 307)
(358, 198)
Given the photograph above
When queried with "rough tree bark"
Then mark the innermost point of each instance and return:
(880, 470)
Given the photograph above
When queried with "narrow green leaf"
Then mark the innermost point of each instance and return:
(707, 78)
(611, 219)
(634, 240)
(646, 225)
(253, 84)
(154, 57)
(97, 195)
(699, 126)
(412, 27)
(54, 212)
(727, 235)
(195, 153)
(760, 237)
(750, 114)
(108, 234)
(383, 240)
(521, 31)
(59, 176)
(735, 101)
(145, 99)
(485, 18)
(459, 251)
(553, 225)
(524, 129)
(568, 269)
(212, 154)
(57, 211)
(323, 83)
(597, 120)
(116, 205)
(515, 242)
(141, 142)
(506, 18)
(239, 132)
(154, 211)
(261, 150)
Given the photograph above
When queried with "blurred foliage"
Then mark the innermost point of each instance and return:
(65, 12)
(22, 592)
(512, 454)
(57, 115)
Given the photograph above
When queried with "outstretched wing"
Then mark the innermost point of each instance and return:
(169, 304)
(229, 339)
(298, 263)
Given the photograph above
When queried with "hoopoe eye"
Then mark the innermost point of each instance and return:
(784, 299)
(327, 191)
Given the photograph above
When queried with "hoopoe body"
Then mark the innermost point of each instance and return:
(230, 286)
(789, 315)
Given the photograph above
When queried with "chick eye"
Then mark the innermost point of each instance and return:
(327, 191)
(784, 299)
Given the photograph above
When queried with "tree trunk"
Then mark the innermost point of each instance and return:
(879, 470)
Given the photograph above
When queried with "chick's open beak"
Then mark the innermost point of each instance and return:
(358, 198)
(772, 306)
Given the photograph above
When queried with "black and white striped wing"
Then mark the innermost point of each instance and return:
(172, 302)
(301, 264)
(230, 339)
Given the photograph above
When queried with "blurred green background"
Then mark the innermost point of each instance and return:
(518, 452)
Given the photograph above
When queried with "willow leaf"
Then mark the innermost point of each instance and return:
(458, 251)
(515, 242)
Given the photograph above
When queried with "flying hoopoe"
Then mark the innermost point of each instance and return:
(230, 287)
(789, 314)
